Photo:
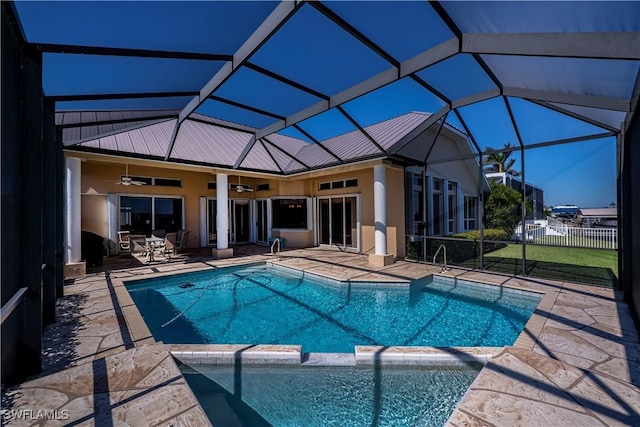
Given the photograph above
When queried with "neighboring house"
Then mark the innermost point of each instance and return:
(534, 193)
(600, 217)
(565, 212)
(309, 194)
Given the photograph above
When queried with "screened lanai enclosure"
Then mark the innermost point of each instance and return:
(542, 97)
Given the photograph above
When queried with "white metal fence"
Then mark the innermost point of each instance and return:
(555, 233)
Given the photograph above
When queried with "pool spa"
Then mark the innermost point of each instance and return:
(321, 396)
(267, 304)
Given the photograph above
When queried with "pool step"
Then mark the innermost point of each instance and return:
(329, 359)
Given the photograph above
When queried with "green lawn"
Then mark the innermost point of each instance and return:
(591, 266)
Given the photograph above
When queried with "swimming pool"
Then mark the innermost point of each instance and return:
(270, 305)
(322, 396)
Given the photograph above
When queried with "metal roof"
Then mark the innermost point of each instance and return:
(221, 143)
(248, 66)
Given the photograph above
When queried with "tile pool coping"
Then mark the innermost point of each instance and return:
(217, 354)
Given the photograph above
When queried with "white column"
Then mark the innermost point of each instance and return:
(222, 219)
(380, 208)
(73, 217)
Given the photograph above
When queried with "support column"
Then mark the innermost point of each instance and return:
(73, 218)
(222, 218)
(380, 257)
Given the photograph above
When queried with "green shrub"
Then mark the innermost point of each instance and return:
(459, 251)
(489, 234)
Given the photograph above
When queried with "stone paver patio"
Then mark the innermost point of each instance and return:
(576, 363)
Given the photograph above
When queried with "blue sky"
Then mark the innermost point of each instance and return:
(311, 50)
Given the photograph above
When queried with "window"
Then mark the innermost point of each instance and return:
(438, 207)
(158, 182)
(145, 179)
(211, 185)
(417, 203)
(289, 213)
(470, 212)
(167, 182)
(263, 187)
(338, 184)
(141, 215)
(453, 208)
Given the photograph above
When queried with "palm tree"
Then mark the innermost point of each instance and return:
(500, 162)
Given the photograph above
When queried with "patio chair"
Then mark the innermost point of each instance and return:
(169, 247)
(160, 232)
(138, 245)
(182, 239)
(123, 240)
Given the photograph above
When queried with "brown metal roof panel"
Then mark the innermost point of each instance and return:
(123, 142)
(287, 143)
(161, 136)
(88, 132)
(190, 146)
(71, 117)
(351, 145)
(88, 117)
(200, 142)
(258, 158)
(78, 117)
(70, 134)
(391, 131)
(105, 128)
(215, 121)
(314, 156)
(294, 166)
(281, 158)
(226, 143)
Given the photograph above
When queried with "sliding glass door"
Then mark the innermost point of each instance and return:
(261, 221)
(338, 221)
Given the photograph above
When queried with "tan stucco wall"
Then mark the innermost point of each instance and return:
(295, 238)
(94, 214)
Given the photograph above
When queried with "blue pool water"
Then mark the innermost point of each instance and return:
(269, 305)
(327, 396)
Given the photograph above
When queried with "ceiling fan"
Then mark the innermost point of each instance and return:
(242, 188)
(127, 180)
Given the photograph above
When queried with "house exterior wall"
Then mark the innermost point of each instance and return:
(99, 179)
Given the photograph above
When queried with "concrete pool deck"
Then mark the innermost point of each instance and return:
(576, 363)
